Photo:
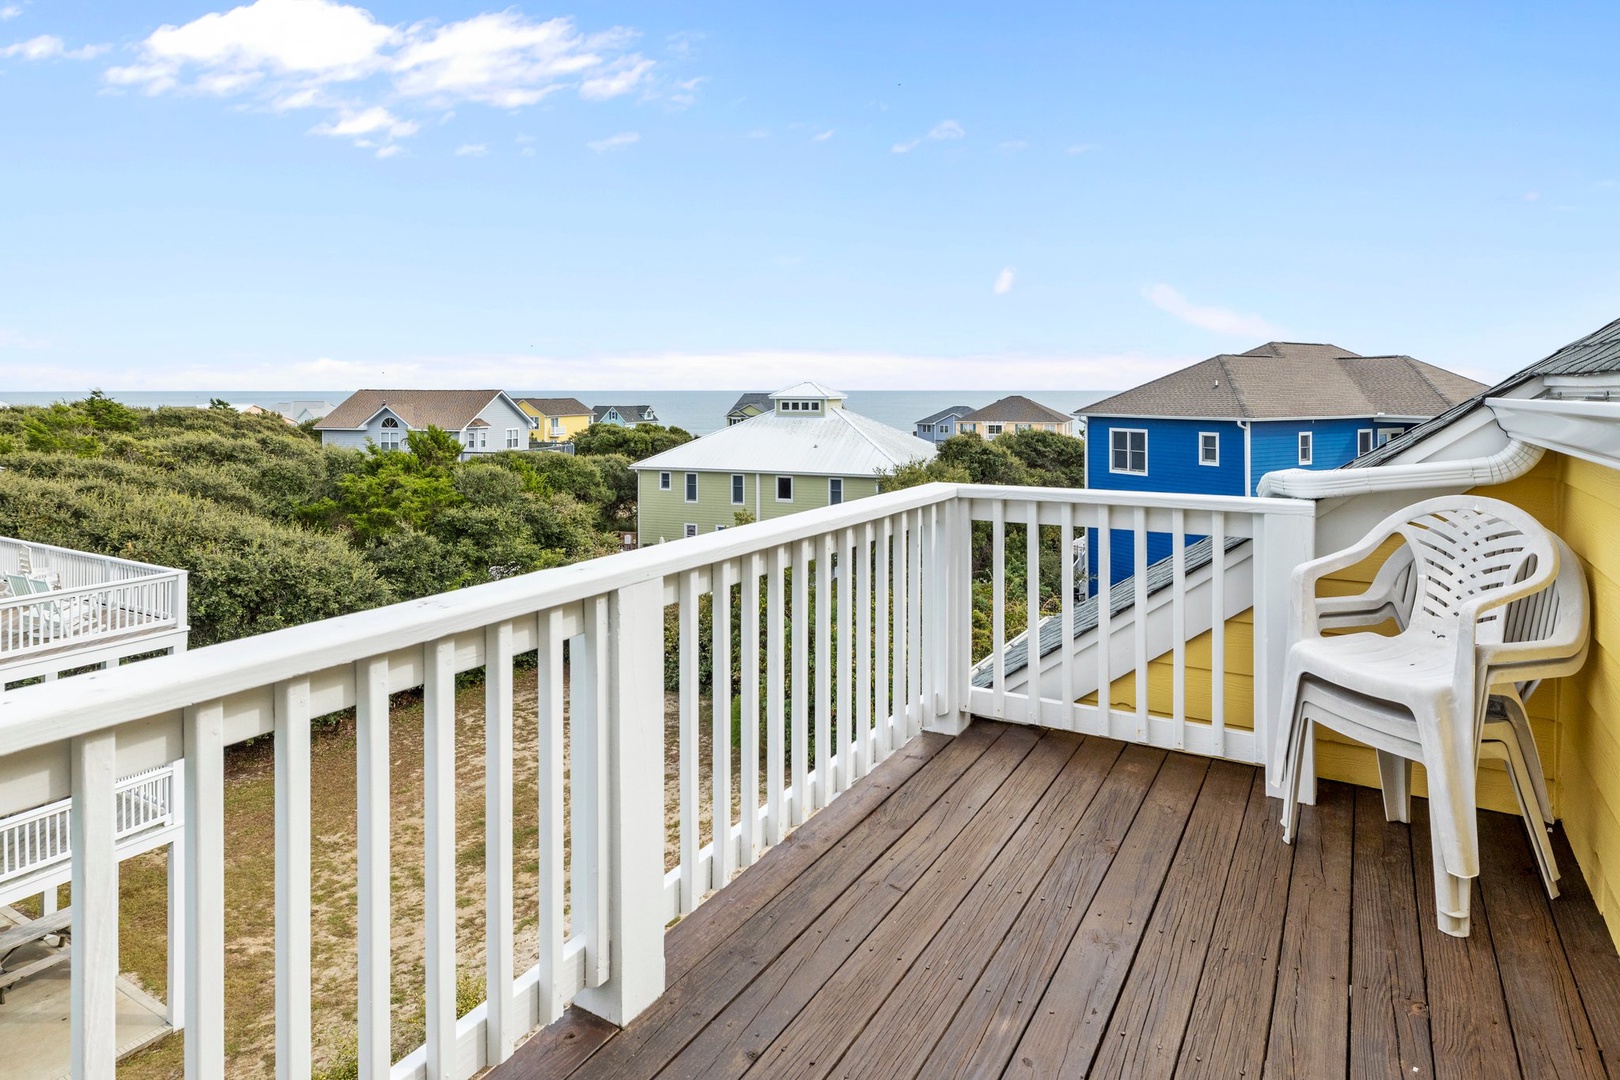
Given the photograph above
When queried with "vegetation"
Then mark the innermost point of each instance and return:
(635, 443)
(276, 529)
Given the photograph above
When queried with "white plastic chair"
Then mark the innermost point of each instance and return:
(1471, 628)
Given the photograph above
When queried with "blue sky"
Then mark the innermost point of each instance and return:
(302, 192)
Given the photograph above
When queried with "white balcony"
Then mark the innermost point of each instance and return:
(63, 610)
(840, 636)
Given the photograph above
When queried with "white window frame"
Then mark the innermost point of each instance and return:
(1388, 433)
(390, 435)
(927, 429)
(483, 438)
(993, 429)
(689, 487)
(789, 480)
(1214, 459)
(511, 438)
(739, 490)
(832, 499)
(1306, 445)
(1114, 434)
(665, 482)
(719, 528)
(1366, 440)
(690, 529)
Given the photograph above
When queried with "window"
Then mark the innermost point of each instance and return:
(511, 438)
(1364, 441)
(691, 487)
(835, 490)
(784, 489)
(663, 481)
(1020, 427)
(1304, 448)
(1127, 451)
(1209, 448)
(719, 528)
(992, 429)
(389, 438)
(944, 429)
(968, 427)
(927, 429)
(1388, 433)
(736, 489)
(483, 438)
(691, 528)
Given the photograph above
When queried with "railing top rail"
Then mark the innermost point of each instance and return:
(56, 595)
(1229, 504)
(147, 568)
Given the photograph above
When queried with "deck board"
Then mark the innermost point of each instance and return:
(1022, 903)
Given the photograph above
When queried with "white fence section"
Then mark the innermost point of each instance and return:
(832, 636)
(92, 599)
(40, 838)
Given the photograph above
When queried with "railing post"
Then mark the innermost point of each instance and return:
(634, 747)
(1282, 542)
(953, 618)
(93, 988)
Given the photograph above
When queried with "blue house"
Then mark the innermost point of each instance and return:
(937, 427)
(1218, 426)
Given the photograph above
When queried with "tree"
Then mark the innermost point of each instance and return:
(1053, 460)
(434, 447)
(984, 462)
(220, 403)
(635, 443)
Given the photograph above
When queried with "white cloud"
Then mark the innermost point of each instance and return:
(904, 147)
(388, 151)
(1004, 282)
(472, 150)
(760, 133)
(945, 129)
(50, 47)
(1214, 319)
(1081, 148)
(613, 142)
(373, 121)
(1532, 196)
(823, 136)
(10, 11)
(1012, 146)
(325, 54)
(684, 92)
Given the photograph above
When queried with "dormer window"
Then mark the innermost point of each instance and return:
(389, 437)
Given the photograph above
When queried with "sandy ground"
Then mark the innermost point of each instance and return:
(250, 882)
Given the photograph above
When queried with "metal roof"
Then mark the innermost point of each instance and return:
(1017, 409)
(1597, 353)
(451, 410)
(954, 410)
(837, 443)
(1292, 379)
(808, 390)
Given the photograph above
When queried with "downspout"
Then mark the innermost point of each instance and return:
(1248, 463)
(1509, 463)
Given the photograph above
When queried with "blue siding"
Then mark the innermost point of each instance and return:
(1333, 443)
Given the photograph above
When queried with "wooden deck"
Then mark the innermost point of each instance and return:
(1025, 904)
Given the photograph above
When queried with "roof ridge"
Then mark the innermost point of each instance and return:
(845, 414)
(1226, 373)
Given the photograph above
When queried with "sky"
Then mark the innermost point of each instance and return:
(675, 195)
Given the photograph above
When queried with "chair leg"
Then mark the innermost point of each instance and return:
(1451, 893)
(1302, 730)
(1529, 811)
(1514, 707)
(1395, 777)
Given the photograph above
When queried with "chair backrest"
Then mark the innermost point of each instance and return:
(1464, 547)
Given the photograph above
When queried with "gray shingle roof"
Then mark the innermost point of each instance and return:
(954, 410)
(1017, 409)
(759, 399)
(451, 410)
(1292, 379)
(1595, 354)
(556, 406)
(629, 412)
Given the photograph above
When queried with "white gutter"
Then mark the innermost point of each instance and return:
(1509, 463)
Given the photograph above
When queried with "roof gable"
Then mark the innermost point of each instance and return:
(1017, 409)
(757, 399)
(451, 410)
(556, 406)
(954, 410)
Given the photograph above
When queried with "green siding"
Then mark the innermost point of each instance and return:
(663, 515)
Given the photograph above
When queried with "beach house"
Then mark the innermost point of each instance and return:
(483, 421)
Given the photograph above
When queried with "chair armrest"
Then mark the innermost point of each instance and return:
(1303, 616)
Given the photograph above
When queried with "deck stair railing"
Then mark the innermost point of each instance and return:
(824, 640)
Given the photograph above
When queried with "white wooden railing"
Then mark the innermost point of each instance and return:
(38, 839)
(852, 632)
(95, 598)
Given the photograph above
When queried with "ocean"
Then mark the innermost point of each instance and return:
(698, 411)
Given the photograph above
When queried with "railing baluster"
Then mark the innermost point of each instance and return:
(846, 633)
(439, 843)
(720, 779)
(687, 761)
(1217, 633)
(1178, 626)
(1105, 620)
(917, 640)
(553, 926)
(863, 651)
(373, 893)
(1066, 614)
(205, 891)
(899, 696)
(825, 762)
(589, 885)
(501, 1025)
(998, 609)
(881, 714)
(748, 677)
(293, 1019)
(93, 986)
(775, 693)
(1032, 622)
(802, 803)
(1139, 618)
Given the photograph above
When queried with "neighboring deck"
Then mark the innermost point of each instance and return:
(1029, 904)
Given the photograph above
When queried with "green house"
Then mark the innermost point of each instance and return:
(805, 451)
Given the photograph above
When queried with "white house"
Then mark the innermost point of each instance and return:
(483, 421)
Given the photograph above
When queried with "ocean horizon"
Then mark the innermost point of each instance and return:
(698, 411)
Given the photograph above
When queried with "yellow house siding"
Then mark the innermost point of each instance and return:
(572, 424)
